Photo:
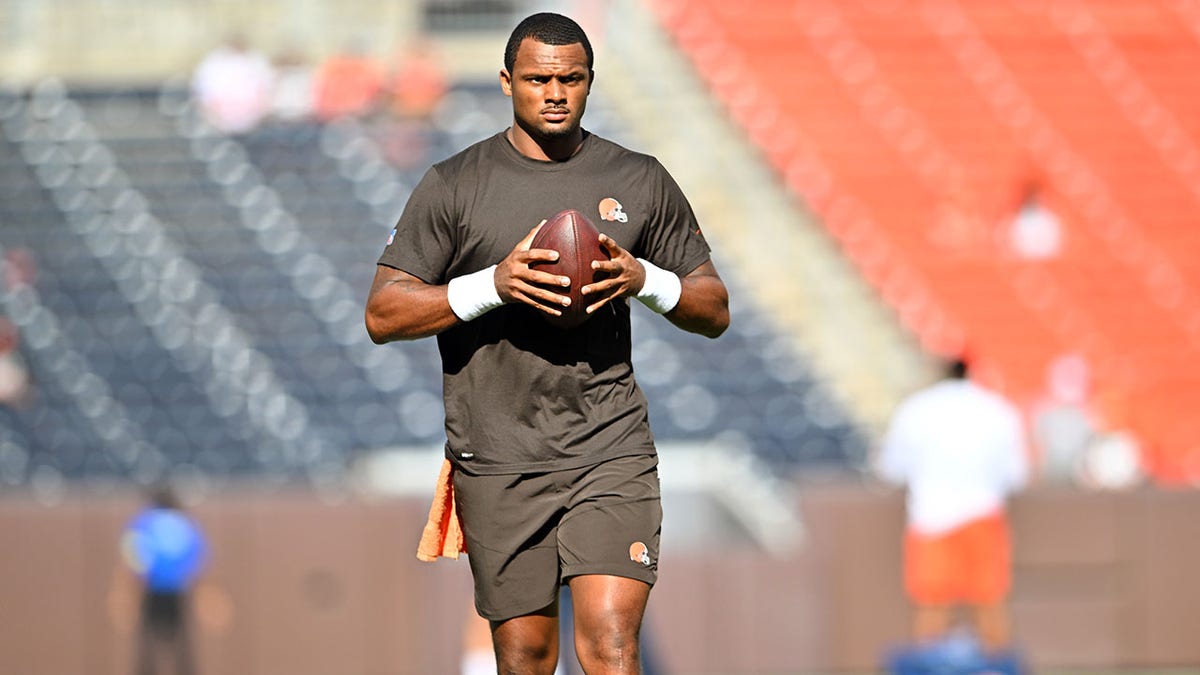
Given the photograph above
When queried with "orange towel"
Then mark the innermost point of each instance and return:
(443, 535)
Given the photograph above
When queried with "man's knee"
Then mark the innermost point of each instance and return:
(608, 649)
(526, 657)
(527, 644)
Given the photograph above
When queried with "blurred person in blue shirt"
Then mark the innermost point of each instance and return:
(164, 554)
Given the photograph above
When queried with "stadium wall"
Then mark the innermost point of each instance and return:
(320, 586)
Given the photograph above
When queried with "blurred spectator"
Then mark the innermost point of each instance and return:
(233, 85)
(959, 449)
(1112, 462)
(292, 97)
(1075, 444)
(164, 554)
(1036, 232)
(14, 377)
(348, 83)
(1063, 423)
(20, 268)
(418, 81)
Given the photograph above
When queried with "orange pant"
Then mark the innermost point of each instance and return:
(971, 564)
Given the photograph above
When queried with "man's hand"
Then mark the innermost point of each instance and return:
(625, 275)
(516, 281)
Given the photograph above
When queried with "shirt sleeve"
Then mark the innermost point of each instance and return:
(673, 240)
(424, 238)
(1015, 468)
(894, 455)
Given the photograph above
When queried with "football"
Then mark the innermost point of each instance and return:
(578, 244)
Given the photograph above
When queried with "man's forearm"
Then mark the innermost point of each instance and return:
(703, 306)
(407, 310)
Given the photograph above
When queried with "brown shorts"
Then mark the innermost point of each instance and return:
(529, 533)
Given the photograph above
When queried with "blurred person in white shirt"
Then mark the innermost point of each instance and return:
(292, 95)
(960, 451)
(234, 86)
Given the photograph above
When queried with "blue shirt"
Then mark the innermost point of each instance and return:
(165, 548)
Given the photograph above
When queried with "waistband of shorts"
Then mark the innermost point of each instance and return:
(571, 464)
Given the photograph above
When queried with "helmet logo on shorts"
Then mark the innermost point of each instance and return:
(639, 553)
(611, 209)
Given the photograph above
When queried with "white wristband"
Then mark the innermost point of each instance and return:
(473, 295)
(662, 288)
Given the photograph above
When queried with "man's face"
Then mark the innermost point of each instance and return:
(549, 86)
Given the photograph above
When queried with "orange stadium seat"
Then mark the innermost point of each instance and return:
(963, 104)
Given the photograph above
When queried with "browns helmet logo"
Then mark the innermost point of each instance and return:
(610, 209)
(639, 553)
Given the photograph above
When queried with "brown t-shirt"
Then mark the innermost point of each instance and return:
(521, 395)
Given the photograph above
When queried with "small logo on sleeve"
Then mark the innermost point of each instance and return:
(391, 237)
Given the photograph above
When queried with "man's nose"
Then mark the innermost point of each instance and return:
(556, 91)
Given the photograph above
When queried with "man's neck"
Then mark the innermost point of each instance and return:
(546, 150)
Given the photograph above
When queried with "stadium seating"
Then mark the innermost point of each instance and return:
(197, 305)
(917, 133)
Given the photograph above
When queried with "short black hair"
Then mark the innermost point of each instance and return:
(550, 29)
(958, 368)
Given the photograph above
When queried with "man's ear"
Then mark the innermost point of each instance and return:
(505, 82)
(591, 79)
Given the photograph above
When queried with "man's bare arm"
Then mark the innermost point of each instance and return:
(704, 304)
(401, 306)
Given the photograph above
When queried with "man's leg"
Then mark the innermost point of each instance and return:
(149, 636)
(527, 645)
(931, 622)
(510, 524)
(608, 619)
(991, 581)
(992, 626)
(145, 653)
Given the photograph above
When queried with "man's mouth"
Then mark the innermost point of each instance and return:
(555, 114)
